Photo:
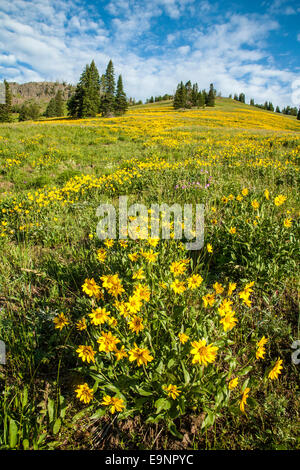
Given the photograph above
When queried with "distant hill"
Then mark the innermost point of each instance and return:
(39, 91)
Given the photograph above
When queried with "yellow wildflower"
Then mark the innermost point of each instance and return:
(81, 324)
(90, 287)
(84, 393)
(203, 354)
(141, 355)
(243, 401)
(183, 338)
(279, 200)
(136, 324)
(86, 353)
(107, 342)
(194, 281)
(115, 403)
(209, 248)
(60, 321)
(276, 370)
(287, 222)
(172, 391)
(178, 286)
(233, 383)
(99, 316)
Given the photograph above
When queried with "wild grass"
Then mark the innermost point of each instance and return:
(53, 176)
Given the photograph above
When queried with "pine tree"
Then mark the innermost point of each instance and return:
(252, 102)
(194, 95)
(188, 95)
(5, 108)
(277, 109)
(108, 99)
(242, 98)
(50, 110)
(121, 104)
(298, 115)
(86, 99)
(201, 100)
(211, 96)
(94, 88)
(59, 104)
(29, 111)
(180, 96)
(75, 103)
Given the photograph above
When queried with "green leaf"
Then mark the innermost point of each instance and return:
(155, 419)
(186, 375)
(245, 370)
(160, 367)
(81, 413)
(25, 444)
(171, 363)
(63, 406)
(209, 420)
(25, 397)
(13, 433)
(139, 403)
(50, 409)
(144, 393)
(41, 438)
(162, 404)
(99, 413)
(173, 430)
(57, 426)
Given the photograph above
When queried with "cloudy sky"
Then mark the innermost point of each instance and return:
(248, 46)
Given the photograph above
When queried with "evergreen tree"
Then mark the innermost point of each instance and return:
(86, 99)
(51, 109)
(121, 104)
(277, 109)
(270, 106)
(236, 98)
(211, 96)
(59, 104)
(242, 98)
(29, 111)
(201, 100)
(108, 99)
(188, 95)
(180, 96)
(94, 88)
(194, 95)
(252, 102)
(5, 108)
(75, 103)
(294, 111)
(298, 115)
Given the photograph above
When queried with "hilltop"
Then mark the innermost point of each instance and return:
(39, 91)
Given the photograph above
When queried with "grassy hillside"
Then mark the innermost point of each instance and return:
(236, 292)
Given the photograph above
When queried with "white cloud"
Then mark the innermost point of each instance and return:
(54, 39)
(183, 50)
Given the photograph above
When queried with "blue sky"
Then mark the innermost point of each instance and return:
(240, 46)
